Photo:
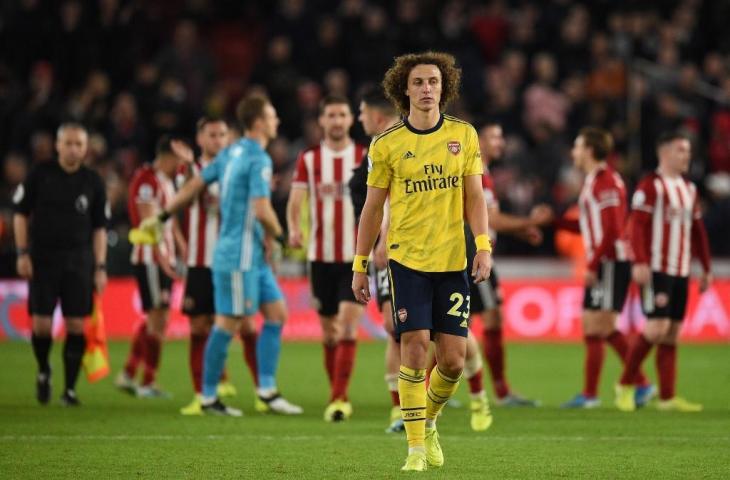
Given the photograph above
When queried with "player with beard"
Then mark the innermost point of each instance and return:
(322, 176)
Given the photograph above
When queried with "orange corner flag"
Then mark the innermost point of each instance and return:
(96, 356)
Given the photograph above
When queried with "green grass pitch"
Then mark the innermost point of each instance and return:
(116, 436)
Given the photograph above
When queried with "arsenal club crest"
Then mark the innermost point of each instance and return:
(454, 147)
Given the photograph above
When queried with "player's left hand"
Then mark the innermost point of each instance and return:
(272, 252)
(182, 150)
(705, 281)
(541, 214)
(152, 226)
(100, 280)
(482, 266)
(590, 278)
(165, 264)
(533, 235)
(361, 287)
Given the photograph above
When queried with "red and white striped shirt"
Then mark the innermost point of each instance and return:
(152, 187)
(602, 206)
(325, 173)
(201, 221)
(666, 225)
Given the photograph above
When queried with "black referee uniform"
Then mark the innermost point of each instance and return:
(63, 210)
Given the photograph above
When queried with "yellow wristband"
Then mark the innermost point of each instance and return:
(483, 243)
(360, 264)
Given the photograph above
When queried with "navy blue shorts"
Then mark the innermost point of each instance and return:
(434, 301)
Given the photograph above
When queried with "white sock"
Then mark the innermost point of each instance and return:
(265, 392)
(430, 423)
(416, 449)
(478, 396)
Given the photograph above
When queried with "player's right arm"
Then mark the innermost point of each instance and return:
(639, 230)
(294, 215)
(380, 174)
(371, 221)
(24, 201)
(20, 229)
(260, 192)
(701, 246)
(297, 195)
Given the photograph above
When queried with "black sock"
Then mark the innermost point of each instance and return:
(73, 352)
(41, 349)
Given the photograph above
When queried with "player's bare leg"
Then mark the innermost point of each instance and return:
(268, 397)
(348, 316)
(41, 340)
(495, 355)
(481, 415)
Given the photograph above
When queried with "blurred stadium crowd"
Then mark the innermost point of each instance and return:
(133, 70)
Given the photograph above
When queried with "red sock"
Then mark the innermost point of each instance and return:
(430, 369)
(330, 352)
(494, 352)
(666, 365)
(136, 352)
(476, 384)
(343, 369)
(593, 365)
(153, 348)
(249, 355)
(617, 340)
(395, 398)
(637, 353)
(197, 350)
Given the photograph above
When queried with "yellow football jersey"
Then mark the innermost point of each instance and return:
(424, 171)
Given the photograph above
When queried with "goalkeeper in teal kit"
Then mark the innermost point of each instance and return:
(243, 282)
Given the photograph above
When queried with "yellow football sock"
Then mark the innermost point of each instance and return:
(412, 391)
(440, 389)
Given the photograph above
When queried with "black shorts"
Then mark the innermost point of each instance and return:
(485, 296)
(665, 297)
(435, 301)
(331, 283)
(382, 285)
(198, 299)
(609, 293)
(154, 286)
(68, 277)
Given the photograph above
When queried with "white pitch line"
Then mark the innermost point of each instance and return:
(309, 438)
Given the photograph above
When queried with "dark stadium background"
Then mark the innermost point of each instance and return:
(132, 70)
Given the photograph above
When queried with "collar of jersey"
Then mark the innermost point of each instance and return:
(424, 132)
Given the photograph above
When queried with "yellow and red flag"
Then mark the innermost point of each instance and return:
(96, 356)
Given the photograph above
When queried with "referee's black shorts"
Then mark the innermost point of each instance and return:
(154, 286)
(65, 276)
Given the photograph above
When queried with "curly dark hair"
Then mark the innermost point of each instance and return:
(395, 82)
